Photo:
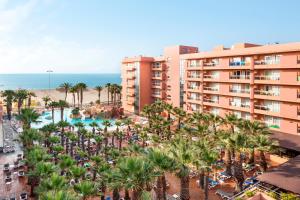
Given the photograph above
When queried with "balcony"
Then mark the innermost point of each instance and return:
(298, 95)
(268, 78)
(194, 66)
(158, 67)
(130, 94)
(160, 76)
(130, 76)
(239, 104)
(239, 63)
(208, 100)
(214, 89)
(243, 77)
(209, 64)
(131, 85)
(298, 129)
(241, 91)
(266, 92)
(266, 62)
(210, 77)
(261, 107)
(130, 68)
(193, 87)
(160, 95)
(193, 76)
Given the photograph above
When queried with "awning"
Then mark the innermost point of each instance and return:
(286, 140)
(285, 176)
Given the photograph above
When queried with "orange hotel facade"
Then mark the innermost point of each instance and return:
(255, 82)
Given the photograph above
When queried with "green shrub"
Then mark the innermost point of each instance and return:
(239, 198)
(250, 193)
(288, 196)
(272, 194)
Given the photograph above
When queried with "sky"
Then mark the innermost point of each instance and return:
(92, 36)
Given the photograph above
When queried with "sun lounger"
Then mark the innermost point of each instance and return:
(21, 173)
(6, 167)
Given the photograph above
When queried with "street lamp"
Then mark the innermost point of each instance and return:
(49, 72)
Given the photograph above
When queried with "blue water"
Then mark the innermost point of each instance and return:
(46, 118)
(41, 81)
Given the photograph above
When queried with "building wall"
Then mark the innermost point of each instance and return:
(268, 79)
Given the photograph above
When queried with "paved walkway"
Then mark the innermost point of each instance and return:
(18, 185)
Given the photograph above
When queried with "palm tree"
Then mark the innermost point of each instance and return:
(79, 126)
(28, 116)
(107, 85)
(77, 173)
(81, 87)
(65, 163)
(73, 90)
(53, 105)
(180, 151)
(99, 88)
(57, 195)
(162, 163)
(28, 137)
(29, 95)
(137, 174)
(264, 144)
(20, 97)
(54, 183)
(62, 105)
(204, 156)
(66, 88)
(85, 189)
(62, 125)
(9, 97)
(46, 100)
(181, 114)
(94, 125)
(47, 130)
(106, 124)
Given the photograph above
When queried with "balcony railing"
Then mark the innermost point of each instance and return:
(266, 62)
(197, 65)
(239, 104)
(210, 89)
(130, 68)
(261, 107)
(239, 63)
(239, 77)
(267, 93)
(209, 76)
(131, 76)
(239, 91)
(210, 101)
(194, 76)
(193, 87)
(273, 78)
(193, 98)
(209, 64)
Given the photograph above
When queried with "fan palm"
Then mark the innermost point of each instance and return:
(73, 90)
(53, 105)
(46, 100)
(107, 85)
(81, 87)
(29, 96)
(62, 105)
(66, 88)
(62, 125)
(57, 195)
(180, 151)
(47, 130)
(20, 97)
(28, 116)
(8, 99)
(99, 89)
(28, 137)
(85, 189)
(65, 163)
(77, 172)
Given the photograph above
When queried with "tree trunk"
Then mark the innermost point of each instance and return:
(120, 143)
(206, 183)
(127, 197)
(159, 188)
(66, 94)
(52, 115)
(116, 194)
(136, 194)
(89, 146)
(238, 172)
(251, 159)
(201, 179)
(164, 184)
(61, 114)
(228, 163)
(263, 163)
(184, 188)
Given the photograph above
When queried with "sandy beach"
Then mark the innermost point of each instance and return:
(89, 95)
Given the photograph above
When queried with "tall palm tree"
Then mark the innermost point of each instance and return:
(62, 125)
(30, 94)
(162, 163)
(28, 137)
(94, 125)
(81, 87)
(73, 90)
(264, 144)
(46, 100)
(20, 97)
(28, 116)
(79, 126)
(107, 85)
(180, 151)
(99, 89)
(65, 163)
(53, 105)
(66, 88)
(8, 99)
(106, 124)
(62, 105)
(180, 114)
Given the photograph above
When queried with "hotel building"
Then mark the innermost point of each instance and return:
(146, 79)
(252, 81)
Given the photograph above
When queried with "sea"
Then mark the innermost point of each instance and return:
(41, 81)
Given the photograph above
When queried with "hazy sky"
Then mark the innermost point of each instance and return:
(92, 36)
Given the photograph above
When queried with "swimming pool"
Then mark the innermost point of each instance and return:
(46, 118)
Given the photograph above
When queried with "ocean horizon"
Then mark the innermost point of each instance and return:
(39, 81)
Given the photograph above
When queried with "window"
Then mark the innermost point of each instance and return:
(273, 106)
(272, 122)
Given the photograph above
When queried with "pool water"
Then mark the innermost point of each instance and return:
(46, 118)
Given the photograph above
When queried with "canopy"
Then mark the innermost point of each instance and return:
(285, 176)
(286, 140)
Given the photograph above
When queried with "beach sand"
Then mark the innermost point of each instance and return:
(89, 95)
